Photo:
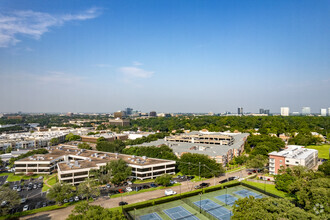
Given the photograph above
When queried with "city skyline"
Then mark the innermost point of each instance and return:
(166, 56)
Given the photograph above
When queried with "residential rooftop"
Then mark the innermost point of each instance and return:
(294, 152)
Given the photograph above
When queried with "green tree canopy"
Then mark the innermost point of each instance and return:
(119, 170)
(268, 208)
(88, 188)
(257, 162)
(84, 146)
(59, 192)
(54, 141)
(11, 197)
(115, 146)
(72, 137)
(162, 152)
(189, 165)
(164, 180)
(84, 211)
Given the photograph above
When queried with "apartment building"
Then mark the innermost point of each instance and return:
(73, 165)
(293, 155)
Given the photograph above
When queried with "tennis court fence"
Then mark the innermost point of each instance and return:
(205, 213)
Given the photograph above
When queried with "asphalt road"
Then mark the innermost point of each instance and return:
(3, 180)
(107, 202)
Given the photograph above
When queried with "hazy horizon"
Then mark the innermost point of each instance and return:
(166, 55)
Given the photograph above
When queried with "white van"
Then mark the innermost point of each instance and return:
(169, 192)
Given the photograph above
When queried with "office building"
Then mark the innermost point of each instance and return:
(323, 112)
(264, 111)
(267, 111)
(153, 114)
(293, 155)
(129, 111)
(119, 122)
(285, 111)
(73, 164)
(222, 147)
(107, 136)
(240, 111)
(306, 111)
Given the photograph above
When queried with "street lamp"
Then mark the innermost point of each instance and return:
(200, 203)
(226, 195)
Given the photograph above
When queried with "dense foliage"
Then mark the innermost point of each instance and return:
(11, 197)
(84, 146)
(263, 144)
(162, 152)
(268, 208)
(72, 137)
(164, 180)
(189, 165)
(119, 170)
(309, 188)
(116, 146)
(59, 192)
(265, 125)
(84, 211)
(30, 153)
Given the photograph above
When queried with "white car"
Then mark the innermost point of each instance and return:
(129, 189)
(3, 203)
(23, 200)
(26, 207)
(129, 182)
(169, 192)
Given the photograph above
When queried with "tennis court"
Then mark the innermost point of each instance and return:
(214, 209)
(247, 193)
(180, 213)
(151, 216)
(227, 199)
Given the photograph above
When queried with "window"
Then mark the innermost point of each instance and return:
(297, 162)
(281, 161)
(287, 161)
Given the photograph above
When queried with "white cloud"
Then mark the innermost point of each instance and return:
(35, 24)
(135, 72)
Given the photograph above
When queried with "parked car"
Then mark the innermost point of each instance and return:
(25, 208)
(44, 204)
(108, 185)
(190, 177)
(145, 187)
(76, 198)
(71, 199)
(223, 181)
(40, 177)
(153, 185)
(249, 173)
(169, 192)
(19, 189)
(34, 186)
(173, 182)
(129, 189)
(3, 203)
(65, 201)
(129, 182)
(120, 190)
(204, 184)
(23, 200)
(15, 187)
(122, 203)
(138, 188)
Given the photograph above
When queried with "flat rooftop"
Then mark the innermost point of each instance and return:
(207, 149)
(88, 158)
(294, 152)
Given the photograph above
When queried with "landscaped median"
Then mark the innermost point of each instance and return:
(142, 190)
(12, 177)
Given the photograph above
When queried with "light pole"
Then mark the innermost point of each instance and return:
(199, 170)
(200, 202)
(226, 195)
(134, 213)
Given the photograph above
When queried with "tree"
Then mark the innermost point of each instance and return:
(54, 141)
(268, 208)
(8, 150)
(11, 197)
(257, 162)
(189, 165)
(59, 192)
(84, 211)
(283, 181)
(162, 152)
(325, 168)
(88, 188)
(72, 137)
(84, 146)
(164, 180)
(119, 170)
(115, 146)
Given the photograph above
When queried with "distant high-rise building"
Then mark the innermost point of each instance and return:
(306, 110)
(267, 111)
(323, 112)
(129, 111)
(261, 111)
(240, 111)
(153, 114)
(285, 111)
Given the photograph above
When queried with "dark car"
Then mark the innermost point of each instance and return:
(138, 188)
(153, 185)
(204, 184)
(122, 203)
(190, 177)
(145, 187)
(231, 178)
(223, 181)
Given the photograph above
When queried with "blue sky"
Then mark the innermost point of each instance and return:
(169, 56)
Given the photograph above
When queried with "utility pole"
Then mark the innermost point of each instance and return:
(199, 168)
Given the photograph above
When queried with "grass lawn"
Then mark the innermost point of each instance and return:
(235, 169)
(12, 177)
(269, 188)
(323, 150)
(50, 182)
(143, 181)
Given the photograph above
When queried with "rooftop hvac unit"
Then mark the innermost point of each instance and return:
(50, 157)
(133, 156)
(144, 157)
